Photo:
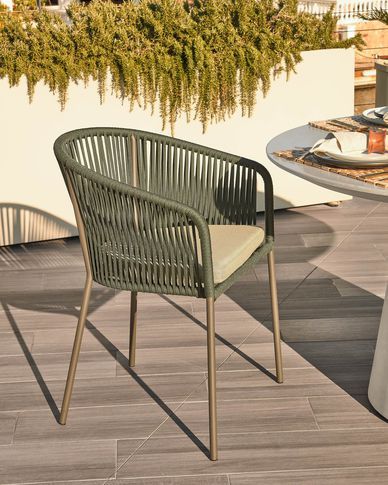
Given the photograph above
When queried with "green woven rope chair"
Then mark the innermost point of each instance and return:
(160, 215)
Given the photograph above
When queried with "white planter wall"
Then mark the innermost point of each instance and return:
(34, 204)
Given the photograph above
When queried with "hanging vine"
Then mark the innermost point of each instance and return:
(203, 59)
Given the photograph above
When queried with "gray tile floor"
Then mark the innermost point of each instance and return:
(148, 425)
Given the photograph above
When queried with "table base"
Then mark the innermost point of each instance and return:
(378, 384)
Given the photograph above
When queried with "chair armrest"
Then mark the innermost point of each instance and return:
(192, 219)
(142, 241)
(268, 193)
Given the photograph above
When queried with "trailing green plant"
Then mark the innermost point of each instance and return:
(20, 5)
(204, 59)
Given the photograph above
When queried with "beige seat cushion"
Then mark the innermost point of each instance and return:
(231, 247)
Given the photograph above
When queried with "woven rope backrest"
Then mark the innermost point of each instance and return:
(135, 239)
(107, 152)
(135, 243)
(216, 184)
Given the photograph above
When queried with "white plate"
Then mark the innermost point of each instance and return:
(361, 156)
(333, 162)
(369, 115)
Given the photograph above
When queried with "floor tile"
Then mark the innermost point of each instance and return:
(55, 366)
(99, 391)
(342, 412)
(66, 461)
(329, 329)
(258, 452)
(244, 415)
(261, 384)
(337, 353)
(7, 427)
(13, 344)
(179, 359)
(95, 423)
(338, 476)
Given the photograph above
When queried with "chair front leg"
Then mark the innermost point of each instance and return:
(211, 362)
(132, 329)
(76, 350)
(275, 317)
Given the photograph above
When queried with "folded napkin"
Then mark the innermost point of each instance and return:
(341, 142)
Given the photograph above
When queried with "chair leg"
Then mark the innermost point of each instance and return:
(275, 317)
(76, 350)
(132, 329)
(211, 362)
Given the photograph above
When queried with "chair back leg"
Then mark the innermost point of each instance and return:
(76, 350)
(211, 362)
(275, 317)
(132, 329)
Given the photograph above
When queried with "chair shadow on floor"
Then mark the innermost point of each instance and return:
(21, 223)
(121, 359)
(110, 348)
(32, 304)
(9, 302)
(12, 302)
(350, 370)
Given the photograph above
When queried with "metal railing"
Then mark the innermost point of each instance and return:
(347, 11)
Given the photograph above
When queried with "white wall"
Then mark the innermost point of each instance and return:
(322, 88)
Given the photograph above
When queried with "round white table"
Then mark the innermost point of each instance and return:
(306, 136)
